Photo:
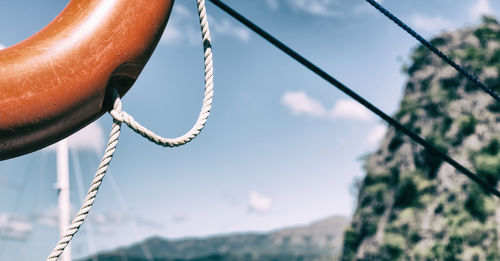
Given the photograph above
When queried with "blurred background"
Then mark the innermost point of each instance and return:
(281, 149)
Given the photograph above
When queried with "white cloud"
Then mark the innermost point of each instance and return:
(103, 222)
(172, 33)
(109, 218)
(14, 226)
(317, 7)
(225, 27)
(183, 27)
(350, 109)
(181, 11)
(363, 9)
(49, 217)
(2, 46)
(273, 4)
(90, 138)
(376, 134)
(430, 24)
(328, 8)
(481, 7)
(258, 202)
(301, 104)
(48, 221)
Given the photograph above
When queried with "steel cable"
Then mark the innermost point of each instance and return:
(434, 49)
(321, 73)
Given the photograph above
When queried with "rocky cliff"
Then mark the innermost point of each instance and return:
(411, 205)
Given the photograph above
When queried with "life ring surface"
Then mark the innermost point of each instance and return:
(54, 83)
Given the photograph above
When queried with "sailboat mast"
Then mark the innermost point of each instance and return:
(63, 193)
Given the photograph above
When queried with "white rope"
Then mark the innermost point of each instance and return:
(124, 117)
(94, 186)
(120, 116)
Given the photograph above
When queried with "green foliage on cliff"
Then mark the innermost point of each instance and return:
(411, 205)
(487, 162)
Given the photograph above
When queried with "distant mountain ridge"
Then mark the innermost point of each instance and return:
(319, 241)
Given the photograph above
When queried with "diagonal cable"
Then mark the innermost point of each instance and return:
(434, 49)
(398, 126)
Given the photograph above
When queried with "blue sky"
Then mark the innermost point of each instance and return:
(281, 147)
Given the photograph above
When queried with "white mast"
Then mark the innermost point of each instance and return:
(63, 193)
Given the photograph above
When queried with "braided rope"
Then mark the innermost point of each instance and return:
(120, 116)
(94, 186)
(124, 117)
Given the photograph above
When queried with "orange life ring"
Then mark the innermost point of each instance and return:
(54, 83)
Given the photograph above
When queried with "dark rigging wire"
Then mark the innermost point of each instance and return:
(434, 49)
(280, 45)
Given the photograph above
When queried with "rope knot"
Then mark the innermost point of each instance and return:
(116, 112)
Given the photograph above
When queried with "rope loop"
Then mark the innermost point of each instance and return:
(126, 118)
(120, 116)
